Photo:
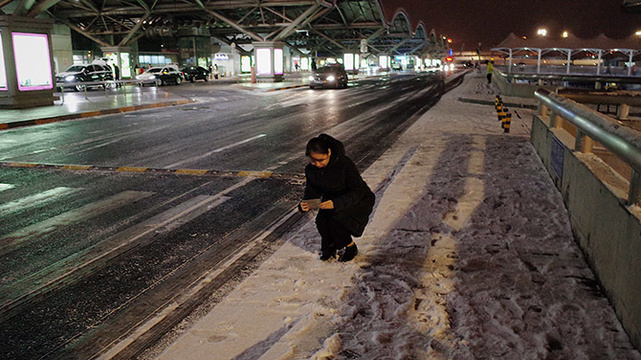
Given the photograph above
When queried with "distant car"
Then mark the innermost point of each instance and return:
(160, 76)
(328, 76)
(84, 73)
(193, 73)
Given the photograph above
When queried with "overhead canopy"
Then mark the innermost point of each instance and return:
(328, 27)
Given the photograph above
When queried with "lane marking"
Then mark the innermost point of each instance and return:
(35, 200)
(4, 187)
(260, 174)
(76, 167)
(84, 262)
(18, 164)
(19, 238)
(131, 169)
(177, 164)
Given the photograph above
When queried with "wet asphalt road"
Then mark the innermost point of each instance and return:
(85, 256)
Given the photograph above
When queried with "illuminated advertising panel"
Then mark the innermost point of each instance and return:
(3, 71)
(348, 61)
(125, 68)
(383, 61)
(245, 64)
(278, 61)
(263, 61)
(33, 61)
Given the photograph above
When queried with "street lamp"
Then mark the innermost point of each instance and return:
(542, 32)
(565, 34)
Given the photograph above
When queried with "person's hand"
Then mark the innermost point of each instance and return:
(327, 205)
(304, 206)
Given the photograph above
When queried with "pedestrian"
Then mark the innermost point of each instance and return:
(117, 75)
(343, 198)
(313, 64)
(490, 69)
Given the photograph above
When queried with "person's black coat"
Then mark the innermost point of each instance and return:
(340, 182)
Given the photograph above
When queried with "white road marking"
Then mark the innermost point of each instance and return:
(174, 165)
(35, 200)
(4, 187)
(84, 261)
(18, 238)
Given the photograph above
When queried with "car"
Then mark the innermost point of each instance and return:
(328, 76)
(160, 76)
(75, 75)
(193, 73)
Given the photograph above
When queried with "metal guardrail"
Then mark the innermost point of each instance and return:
(621, 141)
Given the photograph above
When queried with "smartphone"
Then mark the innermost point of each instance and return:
(313, 203)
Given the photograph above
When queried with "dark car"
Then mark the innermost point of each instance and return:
(193, 73)
(328, 76)
(88, 73)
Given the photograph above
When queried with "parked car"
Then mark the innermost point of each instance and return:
(328, 76)
(160, 76)
(85, 73)
(193, 73)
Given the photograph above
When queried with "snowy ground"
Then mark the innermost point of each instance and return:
(469, 255)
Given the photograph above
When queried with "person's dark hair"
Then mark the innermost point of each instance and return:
(318, 145)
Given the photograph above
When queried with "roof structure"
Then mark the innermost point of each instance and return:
(328, 27)
(570, 46)
(571, 42)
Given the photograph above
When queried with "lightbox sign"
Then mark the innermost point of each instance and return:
(263, 61)
(278, 61)
(3, 71)
(125, 68)
(33, 61)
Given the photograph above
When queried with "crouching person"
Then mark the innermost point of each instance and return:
(344, 200)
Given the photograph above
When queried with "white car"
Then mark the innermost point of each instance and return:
(160, 76)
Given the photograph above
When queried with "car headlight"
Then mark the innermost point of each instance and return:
(311, 78)
(331, 78)
(70, 78)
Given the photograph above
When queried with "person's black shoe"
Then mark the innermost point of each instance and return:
(349, 254)
(326, 255)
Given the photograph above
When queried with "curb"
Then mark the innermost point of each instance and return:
(134, 169)
(82, 115)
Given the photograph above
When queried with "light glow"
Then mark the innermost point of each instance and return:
(278, 61)
(348, 60)
(263, 61)
(3, 71)
(33, 61)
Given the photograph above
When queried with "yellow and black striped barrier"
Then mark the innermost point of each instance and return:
(503, 113)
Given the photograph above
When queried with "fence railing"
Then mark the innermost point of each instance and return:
(623, 142)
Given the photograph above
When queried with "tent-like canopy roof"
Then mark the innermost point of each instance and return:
(571, 42)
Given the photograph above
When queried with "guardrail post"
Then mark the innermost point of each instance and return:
(634, 195)
(583, 143)
(623, 112)
(556, 122)
(543, 109)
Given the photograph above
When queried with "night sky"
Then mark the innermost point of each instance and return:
(469, 22)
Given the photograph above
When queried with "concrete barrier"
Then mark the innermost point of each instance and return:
(606, 228)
